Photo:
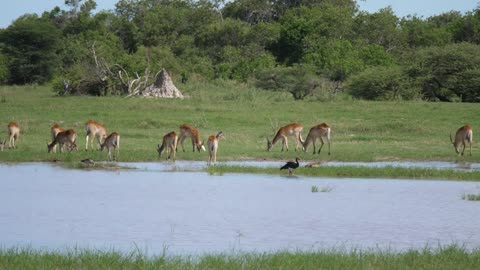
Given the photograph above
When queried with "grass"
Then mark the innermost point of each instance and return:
(452, 257)
(361, 130)
(471, 197)
(356, 172)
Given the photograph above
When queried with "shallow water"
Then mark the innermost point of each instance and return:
(197, 165)
(48, 207)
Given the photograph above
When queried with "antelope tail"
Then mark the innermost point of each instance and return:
(451, 138)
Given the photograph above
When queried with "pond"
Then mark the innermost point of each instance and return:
(157, 210)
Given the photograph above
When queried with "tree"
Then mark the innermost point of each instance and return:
(298, 80)
(381, 83)
(31, 45)
(379, 28)
(448, 73)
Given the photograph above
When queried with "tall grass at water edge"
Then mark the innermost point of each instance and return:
(452, 257)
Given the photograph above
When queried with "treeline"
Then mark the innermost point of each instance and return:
(305, 47)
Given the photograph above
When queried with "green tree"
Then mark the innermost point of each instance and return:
(381, 83)
(31, 45)
(448, 73)
(378, 28)
(300, 25)
(300, 81)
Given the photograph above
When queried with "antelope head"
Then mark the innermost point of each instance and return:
(200, 146)
(456, 144)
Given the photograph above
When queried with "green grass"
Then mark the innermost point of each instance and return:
(356, 172)
(471, 197)
(361, 130)
(452, 257)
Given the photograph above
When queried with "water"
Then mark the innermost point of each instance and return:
(47, 207)
(197, 165)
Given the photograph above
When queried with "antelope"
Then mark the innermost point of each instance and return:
(64, 138)
(13, 134)
(54, 130)
(96, 131)
(112, 141)
(2, 144)
(293, 129)
(212, 144)
(463, 134)
(190, 131)
(317, 132)
(169, 143)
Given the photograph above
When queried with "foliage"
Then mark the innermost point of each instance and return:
(361, 130)
(381, 83)
(299, 81)
(238, 40)
(30, 44)
(449, 73)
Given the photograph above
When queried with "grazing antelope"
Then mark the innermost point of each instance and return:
(212, 144)
(96, 131)
(190, 131)
(294, 129)
(463, 134)
(169, 143)
(317, 132)
(3, 144)
(112, 141)
(13, 134)
(54, 130)
(64, 138)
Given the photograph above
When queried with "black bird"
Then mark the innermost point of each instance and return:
(291, 166)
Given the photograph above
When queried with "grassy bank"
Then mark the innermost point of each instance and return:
(361, 131)
(356, 172)
(444, 258)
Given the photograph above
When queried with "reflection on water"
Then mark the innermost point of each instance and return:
(45, 206)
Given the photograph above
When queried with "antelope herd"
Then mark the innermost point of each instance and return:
(66, 139)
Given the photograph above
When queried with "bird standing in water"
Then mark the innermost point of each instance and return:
(291, 166)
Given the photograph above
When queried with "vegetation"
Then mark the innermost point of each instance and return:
(361, 130)
(451, 257)
(471, 197)
(356, 172)
(304, 48)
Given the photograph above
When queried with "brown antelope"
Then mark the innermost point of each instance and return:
(169, 143)
(64, 138)
(317, 132)
(294, 129)
(190, 131)
(3, 144)
(13, 134)
(112, 141)
(212, 144)
(54, 130)
(463, 134)
(96, 131)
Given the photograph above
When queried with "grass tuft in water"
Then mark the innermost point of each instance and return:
(314, 189)
(471, 197)
(357, 172)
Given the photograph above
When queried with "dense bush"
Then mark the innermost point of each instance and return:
(248, 41)
(382, 83)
